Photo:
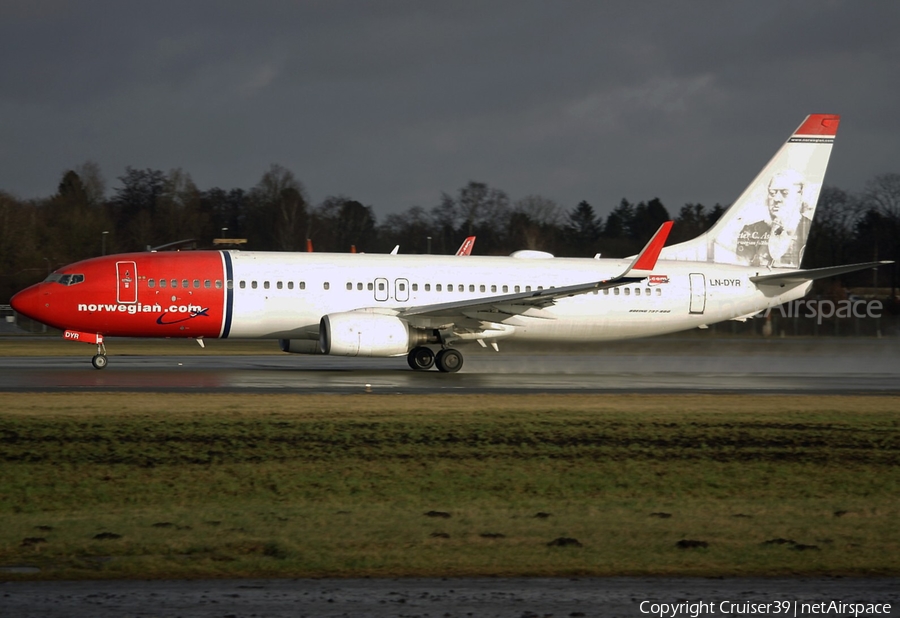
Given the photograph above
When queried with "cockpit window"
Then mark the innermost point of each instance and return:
(64, 278)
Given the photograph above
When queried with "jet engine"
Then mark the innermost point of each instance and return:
(367, 334)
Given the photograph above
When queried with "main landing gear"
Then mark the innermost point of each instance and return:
(447, 360)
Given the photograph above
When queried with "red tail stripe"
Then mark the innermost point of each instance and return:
(819, 124)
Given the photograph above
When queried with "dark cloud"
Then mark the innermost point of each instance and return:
(392, 103)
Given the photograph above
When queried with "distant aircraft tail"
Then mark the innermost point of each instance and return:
(769, 223)
(466, 247)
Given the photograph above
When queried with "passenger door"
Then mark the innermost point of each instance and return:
(698, 293)
(126, 282)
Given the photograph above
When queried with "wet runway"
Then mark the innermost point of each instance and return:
(846, 365)
(500, 597)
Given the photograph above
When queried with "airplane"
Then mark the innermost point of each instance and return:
(422, 306)
(466, 247)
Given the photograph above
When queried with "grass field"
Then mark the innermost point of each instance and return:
(157, 485)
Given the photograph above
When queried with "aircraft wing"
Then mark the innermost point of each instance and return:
(516, 304)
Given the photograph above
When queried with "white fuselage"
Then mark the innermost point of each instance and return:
(284, 295)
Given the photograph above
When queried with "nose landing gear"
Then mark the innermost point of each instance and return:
(99, 361)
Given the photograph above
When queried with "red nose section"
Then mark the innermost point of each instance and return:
(27, 302)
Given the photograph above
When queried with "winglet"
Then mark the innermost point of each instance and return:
(466, 247)
(646, 259)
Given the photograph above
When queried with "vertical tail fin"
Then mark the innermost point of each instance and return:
(769, 223)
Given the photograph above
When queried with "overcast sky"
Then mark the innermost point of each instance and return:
(392, 103)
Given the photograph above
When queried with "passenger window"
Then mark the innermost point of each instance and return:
(381, 286)
(162, 283)
(243, 284)
(437, 287)
(647, 292)
(427, 287)
(218, 284)
(627, 291)
(527, 288)
(174, 283)
(303, 285)
(185, 283)
(279, 285)
(402, 287)
(370, 286)
(253, 284)
(637, 291)
(229, 284)
(505, 289)
(415, 287)
(196, 283)
(349, 286)
(606, 292)
(266, 285)
(151, 283)
(359, 286)
(616, 290)
(659, 291)
(481, 288)
(518, 288)
(326, 285)
(207, 284)
(493, 288)
(290, 285)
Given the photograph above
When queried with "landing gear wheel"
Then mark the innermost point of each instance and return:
(420, 358)
(449, 360)
(99, 361)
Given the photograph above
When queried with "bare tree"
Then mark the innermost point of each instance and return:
(179, 212)
(93, 181)
(540, 210)
(883, 192)
(836, 218)
(482, 206)
(280, 209)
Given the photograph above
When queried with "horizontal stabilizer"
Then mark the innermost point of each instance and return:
(802, 276)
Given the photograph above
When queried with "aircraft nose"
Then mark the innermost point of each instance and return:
(27, 302)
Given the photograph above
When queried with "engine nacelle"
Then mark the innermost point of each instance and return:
(299, 346)
(368, 334)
